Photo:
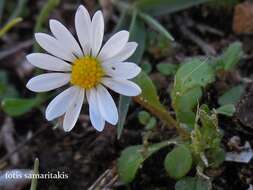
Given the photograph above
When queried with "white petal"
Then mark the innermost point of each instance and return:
(65, 38)
(83, 28)
(122, 86)
(73, 112)
(52, 45)
(60, 104)
(95, 117)
(106, 105)
(124, 70)
(114, 45)
(97, 32)
(124, 54)
(48, 62)
(47, 82)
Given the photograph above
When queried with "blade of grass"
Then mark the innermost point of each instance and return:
(9, 26)
(159, 7)
(124, 101)
(35, 171)
(137, 34)
(18, 10)
(156, 25)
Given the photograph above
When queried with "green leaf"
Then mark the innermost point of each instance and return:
(156, 25)
(124, 103)
(194, 73)
(159, 7)
(192, 183)
(167, 69)
(227, 110)
(129, 162)
(132, 157)
(232, 96)
(137, 34)
(178, 162)
(144, 117)
(146, 67)
(186, 105)
(151, 124)
(150, 101)
(149, 92)
(217, 156)
(232, 55)
(224, 4)
(189, 79)
(6, 89)
(17, 106)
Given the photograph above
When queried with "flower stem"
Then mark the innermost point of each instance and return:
(164, 116)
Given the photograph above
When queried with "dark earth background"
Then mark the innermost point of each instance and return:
(86, 154)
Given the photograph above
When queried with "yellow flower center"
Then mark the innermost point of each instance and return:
(86, 72)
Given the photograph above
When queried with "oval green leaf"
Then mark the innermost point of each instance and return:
(227, 110)
(18, 106)
(232, 96)
(167, 68)
(192, 183)
(132, 157)
(178, 162)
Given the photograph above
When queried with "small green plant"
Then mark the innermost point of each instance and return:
(167, 69)
(190, 78)
(147, 120)
(206, 139)
(198, 145)
(146, 67)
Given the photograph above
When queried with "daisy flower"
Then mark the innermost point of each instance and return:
(86, 67)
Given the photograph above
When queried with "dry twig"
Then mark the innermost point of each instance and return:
(206, 48)
(19, 147)
(107, 9)
(105, 180)
(7, 134)
(15, 49)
